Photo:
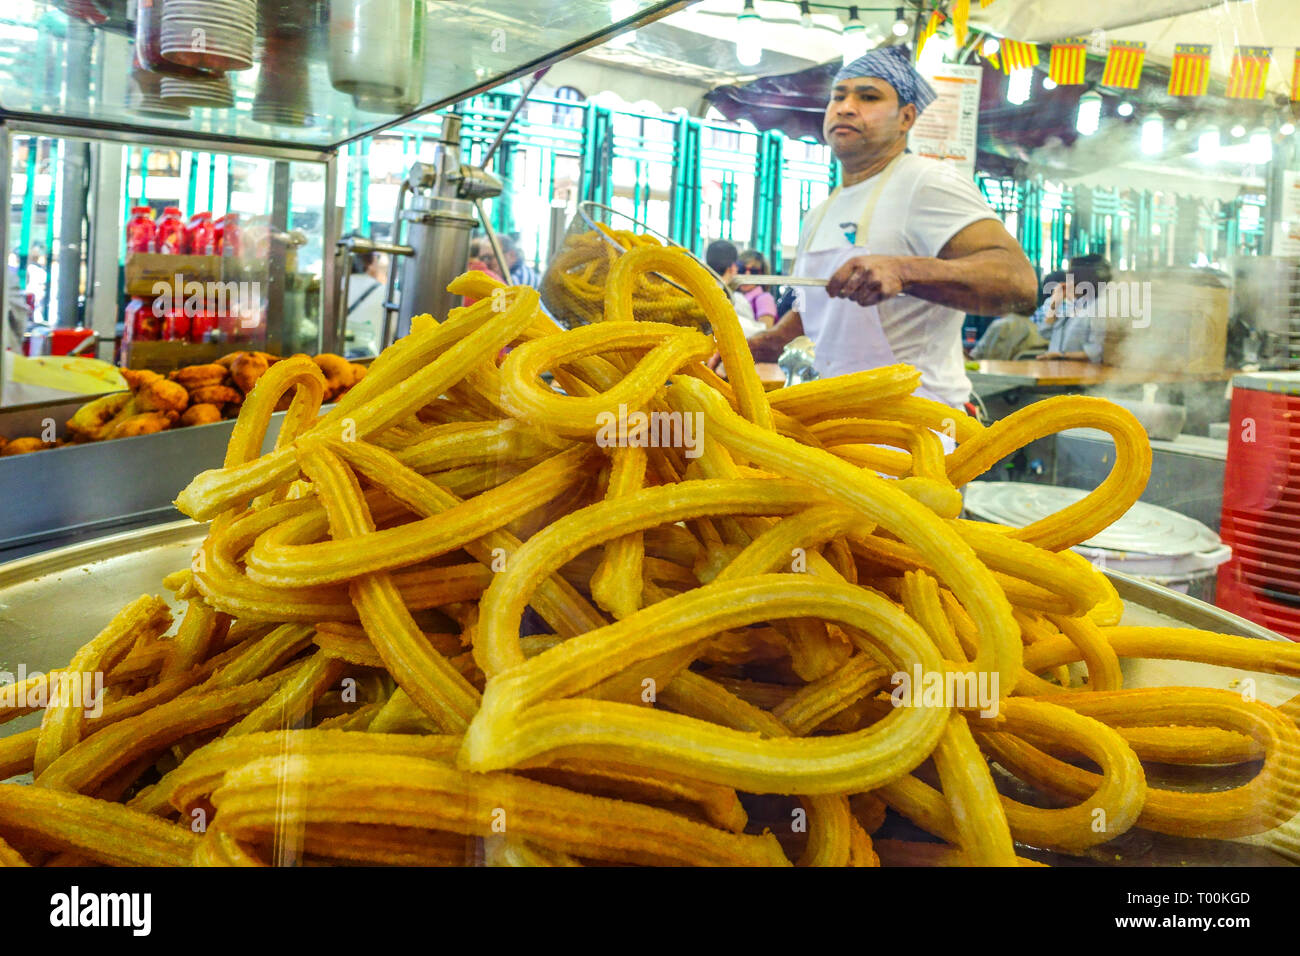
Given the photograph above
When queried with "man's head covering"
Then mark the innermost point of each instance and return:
(893, 64)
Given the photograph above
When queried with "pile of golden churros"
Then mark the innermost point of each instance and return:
(573, 287)
(640, 615)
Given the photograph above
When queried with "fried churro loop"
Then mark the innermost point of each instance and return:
(1105, 504)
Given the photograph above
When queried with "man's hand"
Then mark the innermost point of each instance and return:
(765, 347)
(868, 280)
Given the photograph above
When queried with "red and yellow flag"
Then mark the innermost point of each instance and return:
(1249, 74)
(1190, 74)
(1068, 62)
(1124, 62)
(931, 27)
(960, 17)
(985, 3)
(1295, 79)
(1016, 55)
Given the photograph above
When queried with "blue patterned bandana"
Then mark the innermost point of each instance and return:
(893, 64)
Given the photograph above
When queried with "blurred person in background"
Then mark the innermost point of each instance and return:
(723, 259)
(521, 273)
(365, 318)
(1068, 316)
(760, 298)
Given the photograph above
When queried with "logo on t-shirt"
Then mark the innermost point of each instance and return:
(850, 231)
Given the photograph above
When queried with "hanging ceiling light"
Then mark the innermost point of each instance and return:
(749, 39)
(1088, 119)
(1049, 84)
(1019, 85)
(900, 24)
(805, 15)
(1261, 146)
(1153, 134)
(991, 46)
(1238, 131)
(1287, 128)
(853, 41)
(1207, 144)
(1125, 109)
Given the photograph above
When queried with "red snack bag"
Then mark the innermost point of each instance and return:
(141, 231)
(171, 232)
(176, 326)
(201, 235)
(142, 325)
(201, 325)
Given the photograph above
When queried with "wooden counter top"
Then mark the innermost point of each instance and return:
(1067, 372)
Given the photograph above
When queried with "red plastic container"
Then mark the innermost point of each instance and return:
(229, 242)
(201, 235)
(171, 232)
(1261, 508)
(141, 230)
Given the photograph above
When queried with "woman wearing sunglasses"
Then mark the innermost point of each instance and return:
(760, 299)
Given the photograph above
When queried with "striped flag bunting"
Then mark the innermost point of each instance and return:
(1295, 79)
(960, 17)
(1016, 55)
(1124, 62)
(985, 3)
(1190, 74)
(931, 27)
(1069, 61)
(1249, 74)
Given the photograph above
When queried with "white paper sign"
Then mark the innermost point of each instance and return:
(947, 129)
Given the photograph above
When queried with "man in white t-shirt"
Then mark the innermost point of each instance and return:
(908, 244)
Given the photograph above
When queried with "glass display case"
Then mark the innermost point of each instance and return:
(242, 105)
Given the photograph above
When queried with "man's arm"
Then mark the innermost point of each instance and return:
(980, 270)
(767, 346)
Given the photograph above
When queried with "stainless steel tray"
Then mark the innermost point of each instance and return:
(52, 603)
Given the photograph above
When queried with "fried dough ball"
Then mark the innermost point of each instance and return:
(23, 446)
(93, 420)
(205, 413)
(162, 396)
(340, 374)
(215, 395)
(198, 376)
(139, 378)
(229, 358)
(143, 424)
(247, 367)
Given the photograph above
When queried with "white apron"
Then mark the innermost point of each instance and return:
(849, 337)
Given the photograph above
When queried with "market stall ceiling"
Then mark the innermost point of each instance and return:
(1160, 24)
(56, 63)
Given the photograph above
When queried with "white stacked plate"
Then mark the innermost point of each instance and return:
(203, 92)
(283, 96)
(144, 96)
(212, 35)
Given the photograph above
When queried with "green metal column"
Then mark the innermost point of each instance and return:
(767, 196)
(349, 193)
(364, 186)
(684, 212)
(1030, 225)
(503, 206)
(598, 156)
(144, 173)
(29, 212)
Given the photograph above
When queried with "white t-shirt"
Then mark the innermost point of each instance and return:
(924, 204)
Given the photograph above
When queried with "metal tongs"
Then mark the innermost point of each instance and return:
(739, 280)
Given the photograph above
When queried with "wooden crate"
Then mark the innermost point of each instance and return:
(164, 357)
(145, 270)
(1186, 327)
